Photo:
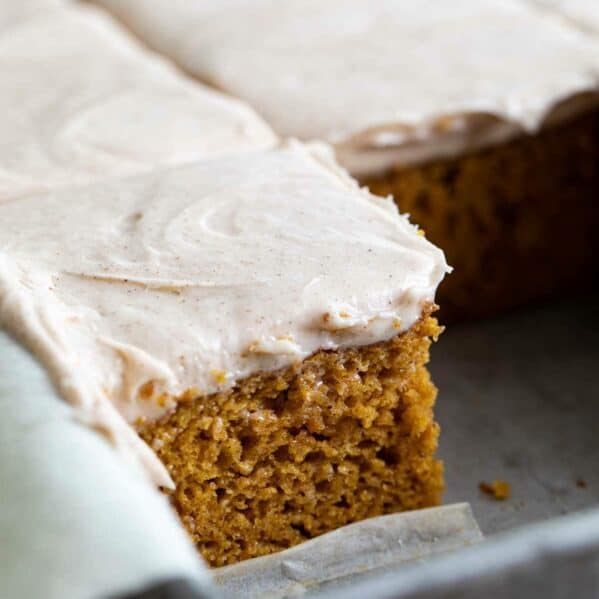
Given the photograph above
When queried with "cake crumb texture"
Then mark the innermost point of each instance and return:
(285, 456)
(498, 489)
(518, 222)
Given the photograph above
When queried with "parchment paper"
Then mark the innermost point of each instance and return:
(75, 522)
(373, 545)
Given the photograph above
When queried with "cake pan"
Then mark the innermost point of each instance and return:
(518, 403)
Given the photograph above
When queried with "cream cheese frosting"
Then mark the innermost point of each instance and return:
(582, 13)
(138, 290)
(386, 81)
(81, 100)
(13, 12)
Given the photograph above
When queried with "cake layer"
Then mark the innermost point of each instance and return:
(143, 292)
(388, 81)
(82, 101)
(517, 221)
(283, 457)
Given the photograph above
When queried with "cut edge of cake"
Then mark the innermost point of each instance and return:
(82, 298)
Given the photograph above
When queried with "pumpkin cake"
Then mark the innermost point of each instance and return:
(83, 101)
(480, 117)
(260, 320)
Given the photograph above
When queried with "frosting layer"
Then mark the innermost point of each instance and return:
(387, 81)
(582, 13)
(82, 101)
(13, 12)
(190, 278)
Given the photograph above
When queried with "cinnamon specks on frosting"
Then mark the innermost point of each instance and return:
(229, 272)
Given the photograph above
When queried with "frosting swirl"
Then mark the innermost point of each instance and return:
(142, 289)
(81, 102)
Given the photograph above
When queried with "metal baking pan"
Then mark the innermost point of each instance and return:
(518, 402)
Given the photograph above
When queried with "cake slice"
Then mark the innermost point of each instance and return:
(480, 117)
(83, 101)
(260, 320)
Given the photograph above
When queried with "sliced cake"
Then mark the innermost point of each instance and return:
(261, 321)
(479, 116)
(82, 100)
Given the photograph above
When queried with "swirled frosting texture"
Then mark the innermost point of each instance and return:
(196, 276)
(81, 101)
(387, 81)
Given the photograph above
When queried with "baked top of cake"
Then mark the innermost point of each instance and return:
(387, 81)
(181, 281)
(82, 100)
